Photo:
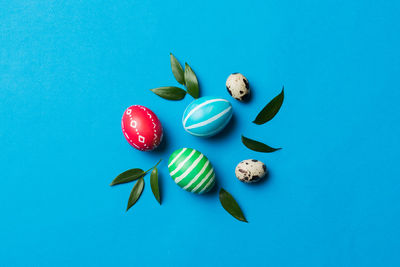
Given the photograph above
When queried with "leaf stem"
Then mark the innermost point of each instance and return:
(153, 166)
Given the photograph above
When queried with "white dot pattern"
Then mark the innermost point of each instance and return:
(156, 139)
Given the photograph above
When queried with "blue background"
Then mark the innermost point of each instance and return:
(70, 68)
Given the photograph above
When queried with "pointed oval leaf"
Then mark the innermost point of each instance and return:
(257, 146)
(154, 184)
(135, 193)
(270, 110)
(192, 85)
(128, 176)
(177, 70)
(169, 92)
(230, 205)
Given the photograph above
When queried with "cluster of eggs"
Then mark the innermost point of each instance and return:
(204, 117)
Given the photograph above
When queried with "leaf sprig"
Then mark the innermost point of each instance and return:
(138, 174)
(186, 77)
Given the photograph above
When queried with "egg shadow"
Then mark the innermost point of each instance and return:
(213, 190)
(249, 97)
(163, 146)
(210, 194)
(262, 181)
(229, 129)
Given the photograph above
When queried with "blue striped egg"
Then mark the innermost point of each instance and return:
(207, 116)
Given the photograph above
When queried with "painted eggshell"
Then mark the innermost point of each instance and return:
(250, 170)
(191, 170)
(141, 128)
(207, 116)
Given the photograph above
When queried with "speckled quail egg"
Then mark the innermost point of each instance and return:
(250, 170)
(238, 86)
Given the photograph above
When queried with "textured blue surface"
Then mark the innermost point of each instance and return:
(68, 70)
(207, 116)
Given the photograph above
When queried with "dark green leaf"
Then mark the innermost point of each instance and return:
(128, 176)
(170, 92)
(154, 184)
(136, 192)
(177, 70)
(270, 110)
(192, 85)
(230, 205)
(257, 146)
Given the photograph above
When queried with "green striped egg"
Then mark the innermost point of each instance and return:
(191, 170)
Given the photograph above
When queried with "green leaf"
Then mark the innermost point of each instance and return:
(136, 192)
(154, 184)
(177, 70)
(128, 176)
(170, 92)
(192, 85)
(270, 110)
(230, 205)
(257, 146)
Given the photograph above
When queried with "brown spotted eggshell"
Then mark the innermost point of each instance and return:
(250, 170)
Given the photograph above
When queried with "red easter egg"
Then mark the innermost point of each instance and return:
(141, 128)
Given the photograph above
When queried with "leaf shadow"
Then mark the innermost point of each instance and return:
(213, 190)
